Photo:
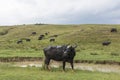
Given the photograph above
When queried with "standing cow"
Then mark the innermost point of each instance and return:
(19, 41)
(113, 30)
(52, 40)
(63, 53)
(106, 43)
(41, 37)
(28, 40)
(33, 33)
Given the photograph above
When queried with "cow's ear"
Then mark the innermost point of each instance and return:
(75, 45)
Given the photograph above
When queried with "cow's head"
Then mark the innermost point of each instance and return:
(70, 50)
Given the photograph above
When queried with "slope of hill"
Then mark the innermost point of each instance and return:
(88, 37)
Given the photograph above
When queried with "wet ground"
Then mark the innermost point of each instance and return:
(81, 66)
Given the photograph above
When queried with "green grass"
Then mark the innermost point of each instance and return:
(7, 72)
(87, 37)
(21, 53)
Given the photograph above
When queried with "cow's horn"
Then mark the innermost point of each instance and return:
(75, 46)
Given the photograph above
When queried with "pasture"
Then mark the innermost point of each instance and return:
(88, 37)
(8, 72)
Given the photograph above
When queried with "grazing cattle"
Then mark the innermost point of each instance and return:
(106, 43)
(28, 40)
(63, 53)
(19, 41)
(41, 37)
(113, 30)
(46, 33)
(33, 33)
(52, 40)
(54, 36)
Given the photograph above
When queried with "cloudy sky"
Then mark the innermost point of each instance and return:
(14, 12)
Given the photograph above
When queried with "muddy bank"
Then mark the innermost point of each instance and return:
(23, 59)
(19, 59)
(81, 66)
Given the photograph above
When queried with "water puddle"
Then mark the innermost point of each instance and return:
(80, 66)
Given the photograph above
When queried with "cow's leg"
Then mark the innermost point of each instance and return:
(47, 61)
(64, 65)
(72, 66)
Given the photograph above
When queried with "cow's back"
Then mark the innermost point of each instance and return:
(55, 53)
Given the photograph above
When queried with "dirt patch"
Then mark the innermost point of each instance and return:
(81, 66)
(19, 59)
(22, 59)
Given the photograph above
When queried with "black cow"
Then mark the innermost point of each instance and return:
(54, 36)
(46, 33)
(33, 33)
(106, 43)
(41, 37)
(28, 40)
(113, 30)
(52, 40)
(19, 41)
(63, 53)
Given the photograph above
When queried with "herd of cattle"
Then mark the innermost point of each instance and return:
(106, 43)
(52, 38)
(64, 53)
(41, 37)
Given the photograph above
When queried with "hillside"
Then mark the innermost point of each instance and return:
(88, 37)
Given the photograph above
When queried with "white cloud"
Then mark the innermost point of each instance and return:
(59, 11)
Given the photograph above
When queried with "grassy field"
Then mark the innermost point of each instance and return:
(8, 72)
(88, 37)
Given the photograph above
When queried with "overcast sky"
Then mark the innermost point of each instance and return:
(14, 12)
